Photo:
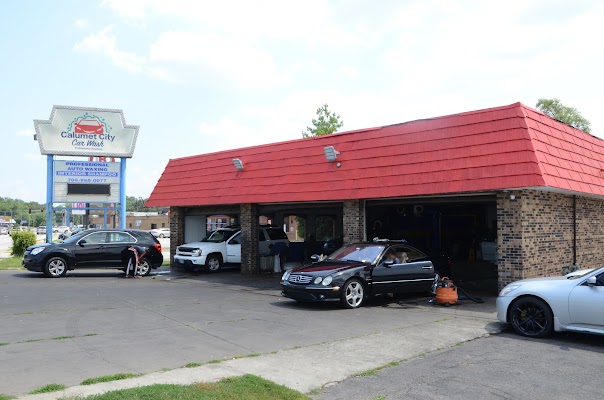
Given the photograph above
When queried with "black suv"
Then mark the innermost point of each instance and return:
(93, 248)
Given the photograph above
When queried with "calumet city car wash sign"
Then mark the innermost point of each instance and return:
(79, 131)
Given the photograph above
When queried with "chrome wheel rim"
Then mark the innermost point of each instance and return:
(354, 294)
(56, 267)
(529, 318)
(213, 264)
(143, 268)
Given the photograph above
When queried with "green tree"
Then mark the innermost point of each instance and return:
(568, 115)
(326, 123)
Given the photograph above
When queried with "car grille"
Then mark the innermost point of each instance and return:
(187, 249)
(301, 279)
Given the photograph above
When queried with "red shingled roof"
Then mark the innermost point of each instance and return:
(497, 148)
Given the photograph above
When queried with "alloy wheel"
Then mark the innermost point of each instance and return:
(530, 318)
(354, 294)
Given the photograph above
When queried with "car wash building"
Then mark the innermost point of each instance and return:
(506, 193)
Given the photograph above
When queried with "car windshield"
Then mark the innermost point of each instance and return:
(219, 235)
(367, 253)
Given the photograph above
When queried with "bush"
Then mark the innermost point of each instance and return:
(21, 241)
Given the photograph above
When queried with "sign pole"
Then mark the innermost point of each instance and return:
(49, 189)
(123, 193)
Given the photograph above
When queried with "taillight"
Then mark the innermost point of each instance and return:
(157, 246)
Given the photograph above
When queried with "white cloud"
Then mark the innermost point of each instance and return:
(104, 42)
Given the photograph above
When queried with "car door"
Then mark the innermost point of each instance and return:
(114, 254)
(89, 250)
(264, 243)
(585, 304)
(411, 272)
(233, 249)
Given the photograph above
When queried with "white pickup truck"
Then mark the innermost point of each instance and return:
(224, 246)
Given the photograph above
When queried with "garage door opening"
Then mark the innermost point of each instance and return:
(463, 230)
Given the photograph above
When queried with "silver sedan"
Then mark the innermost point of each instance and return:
(535, 307)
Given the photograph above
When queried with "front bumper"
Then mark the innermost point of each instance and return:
(503, 304)
(310, 292)
(190, 262)
(32, 264)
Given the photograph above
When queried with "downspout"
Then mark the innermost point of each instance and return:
(574, 230)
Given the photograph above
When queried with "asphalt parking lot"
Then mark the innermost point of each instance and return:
(95, 323)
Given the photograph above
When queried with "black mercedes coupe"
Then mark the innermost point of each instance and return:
(356, 271)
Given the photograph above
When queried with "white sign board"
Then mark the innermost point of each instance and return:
(79, 131)
(86, 172)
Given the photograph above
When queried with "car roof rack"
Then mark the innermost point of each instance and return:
(378, 240)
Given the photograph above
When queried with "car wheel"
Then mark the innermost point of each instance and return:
(161, 235)
(144, 267)
(353, 294)
(213, 262)
(531, 317)
(55, 267)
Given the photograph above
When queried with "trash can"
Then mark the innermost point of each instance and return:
(267, 263)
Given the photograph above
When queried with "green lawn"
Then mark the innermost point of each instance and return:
(108, 378)
(10, 263)
(248, 387)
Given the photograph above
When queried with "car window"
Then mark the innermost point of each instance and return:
(219, 235)
(120, 237)
(276, 234)
(236, 239)
(411, 253)
(96, 237)
(600, 279)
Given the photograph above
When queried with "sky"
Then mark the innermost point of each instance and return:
(202, 76)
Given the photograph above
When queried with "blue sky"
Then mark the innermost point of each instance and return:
(202, 76)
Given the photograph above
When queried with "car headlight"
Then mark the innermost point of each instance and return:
(37, 250)
(318, 280)
(286, 275)
(508, 289)
(327, 280)
(196, 252)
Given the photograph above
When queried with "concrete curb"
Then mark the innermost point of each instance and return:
(311, 367)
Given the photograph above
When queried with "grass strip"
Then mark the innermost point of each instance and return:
(109, 378)
(53, 387)
(11, 263)
(248, 387)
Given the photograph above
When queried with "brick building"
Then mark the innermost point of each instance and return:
(505, 191)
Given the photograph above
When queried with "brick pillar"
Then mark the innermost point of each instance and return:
(353, 219)
(509, 237)
(248, 219)
(177, 231)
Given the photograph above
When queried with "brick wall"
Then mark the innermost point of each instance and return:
(535, 234)
(353, 221)
(177, 230)
(590, 232)
(249, 220)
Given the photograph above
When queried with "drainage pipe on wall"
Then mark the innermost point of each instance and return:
(574, 230)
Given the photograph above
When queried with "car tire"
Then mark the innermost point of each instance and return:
(144, 266)
(353, 294)
(213, 263)
(531, 317)
(161, 235)
(55, 267)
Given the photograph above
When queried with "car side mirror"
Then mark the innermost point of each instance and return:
(591, 281)
(315, 257)
(82, 243)
(388, 263)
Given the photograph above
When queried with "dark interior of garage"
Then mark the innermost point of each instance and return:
(458, 232)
